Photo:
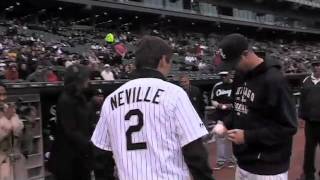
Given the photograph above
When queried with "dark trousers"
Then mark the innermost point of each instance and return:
(76, 171)
(312, 135)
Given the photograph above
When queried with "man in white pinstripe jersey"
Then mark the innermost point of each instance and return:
(150, 125)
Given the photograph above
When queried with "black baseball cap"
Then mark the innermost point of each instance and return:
(230, 50)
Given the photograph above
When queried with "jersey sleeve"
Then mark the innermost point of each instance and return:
(100, 137)
(213, 93)
(189, 125)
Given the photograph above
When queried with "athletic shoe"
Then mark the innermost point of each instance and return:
(231, 165)
(219, 166)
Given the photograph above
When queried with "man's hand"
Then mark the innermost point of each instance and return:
(236, 136)
(225, 106)
(302, 123)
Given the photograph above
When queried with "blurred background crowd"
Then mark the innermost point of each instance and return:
(40, 52)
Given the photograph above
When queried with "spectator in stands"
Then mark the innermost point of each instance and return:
(199, 50)
(23, 71)
(11, 73)
(301, 68)
(38, 76)
(132, 68)
(71, 154)
(125, 71)
(122, 74)
(127, 68)
(95, 72)
(68, 63)
(121, 50)
(2, 71)
(310, 114)
(194, 94)
(12, 56)
(107, 74)
(51, 75)
(202, 65)
(189, 59)
(116, 72)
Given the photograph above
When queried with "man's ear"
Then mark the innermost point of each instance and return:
(245, 53)
(162, 61)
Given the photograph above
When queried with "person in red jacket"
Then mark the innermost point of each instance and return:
(12, 74)
(51, 75)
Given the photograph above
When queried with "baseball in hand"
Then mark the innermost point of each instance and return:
(219, 129)
(223, 107)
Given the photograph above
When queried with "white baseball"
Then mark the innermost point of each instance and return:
(219, 129)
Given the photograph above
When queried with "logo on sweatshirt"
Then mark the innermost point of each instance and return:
(243, 96)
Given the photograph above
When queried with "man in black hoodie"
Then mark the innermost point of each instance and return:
(263, 121)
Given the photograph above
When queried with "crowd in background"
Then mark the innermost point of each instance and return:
(41, 52)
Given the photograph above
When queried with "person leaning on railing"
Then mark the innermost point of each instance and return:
(11, 159)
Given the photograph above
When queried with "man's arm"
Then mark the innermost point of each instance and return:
(190, 129)
(101, 140)
(196, 158)
(109, 168)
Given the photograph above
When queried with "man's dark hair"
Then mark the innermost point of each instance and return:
(150, 50)
(74, 77)
(184, 76)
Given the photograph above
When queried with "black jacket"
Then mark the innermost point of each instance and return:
(263, 108)
(196, 99)
(73, 133)
(309, 108)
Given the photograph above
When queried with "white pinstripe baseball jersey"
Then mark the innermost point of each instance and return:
(145, 123)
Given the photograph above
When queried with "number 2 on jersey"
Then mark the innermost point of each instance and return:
(135, 128)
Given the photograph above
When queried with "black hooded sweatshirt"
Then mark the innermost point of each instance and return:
(263, 108)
